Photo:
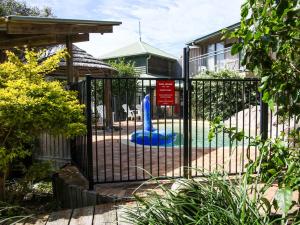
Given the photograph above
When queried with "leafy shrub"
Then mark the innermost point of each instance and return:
(269, 38)
(220, 74)
(35, 186)
(224, 97)
(30, 105)
(39, 171)
(277, 163)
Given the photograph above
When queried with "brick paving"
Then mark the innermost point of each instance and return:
(118, 159)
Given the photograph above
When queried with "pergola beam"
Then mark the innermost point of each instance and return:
(10, 41)
(24, 30)
(40, 28)
(19, 31)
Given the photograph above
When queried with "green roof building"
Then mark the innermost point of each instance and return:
(148, 60)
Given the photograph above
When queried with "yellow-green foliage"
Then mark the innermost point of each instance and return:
(29, 104)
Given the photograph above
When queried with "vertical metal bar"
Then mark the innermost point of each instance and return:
(143, 136)
(217, 114)
(158, 139)
(236, 123)
(190, 125)
(85, 156)
(120, 135)
(277, 118)
(283, 123)
(180, 133)
(196, 103)
(230, 142)
(151, 115)
(83, 159)
(104, 127)
(203, 128)
(289, 127)
(256, 97)
(185, 113)
(165, 118)
(294, 128)
(209, 125)
(223, 114)
(135, 149)
(243, 105)
(172, 138)
(112, 135)
(263, 119)
(54, 145)
(127, 131)
(96, 127)
(89, 132)
(249, 122)
(271, 123)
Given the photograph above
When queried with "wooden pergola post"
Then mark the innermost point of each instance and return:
(108, 124)
(70, 68)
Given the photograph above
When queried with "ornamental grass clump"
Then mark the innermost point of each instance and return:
(211, 200)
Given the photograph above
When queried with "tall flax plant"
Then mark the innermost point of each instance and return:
(214, 199)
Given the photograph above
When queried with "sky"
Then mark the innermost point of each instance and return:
(165, 24)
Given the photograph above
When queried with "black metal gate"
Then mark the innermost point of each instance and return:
(109, 151)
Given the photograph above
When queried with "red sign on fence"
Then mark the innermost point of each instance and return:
(165, 92)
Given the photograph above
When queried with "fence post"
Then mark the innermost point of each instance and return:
(264, 113)
(186, 165)
(89, 143)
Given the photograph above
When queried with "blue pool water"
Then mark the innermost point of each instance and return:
(199, 136)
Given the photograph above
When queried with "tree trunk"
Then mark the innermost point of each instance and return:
(107, 103)
(2, 186)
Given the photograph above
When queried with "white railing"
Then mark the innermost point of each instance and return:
(214, 61)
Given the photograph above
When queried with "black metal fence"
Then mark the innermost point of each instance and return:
(114, 113)
(237, 103)
(110, 151)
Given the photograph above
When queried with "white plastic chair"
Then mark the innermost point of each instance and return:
(130, 113)
(101, 112)
(138, 111)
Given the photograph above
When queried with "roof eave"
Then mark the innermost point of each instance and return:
(208, 36)
(141, 54)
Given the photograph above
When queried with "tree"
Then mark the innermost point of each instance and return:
(270, 37)
(124, 91)
(30, 105)
(210, 95)
(129, 87)
(13, 7)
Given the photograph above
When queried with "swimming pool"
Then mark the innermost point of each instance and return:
(200, 132)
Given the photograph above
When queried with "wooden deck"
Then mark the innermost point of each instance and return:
(105, 214)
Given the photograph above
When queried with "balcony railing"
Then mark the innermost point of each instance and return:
(214, 61)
